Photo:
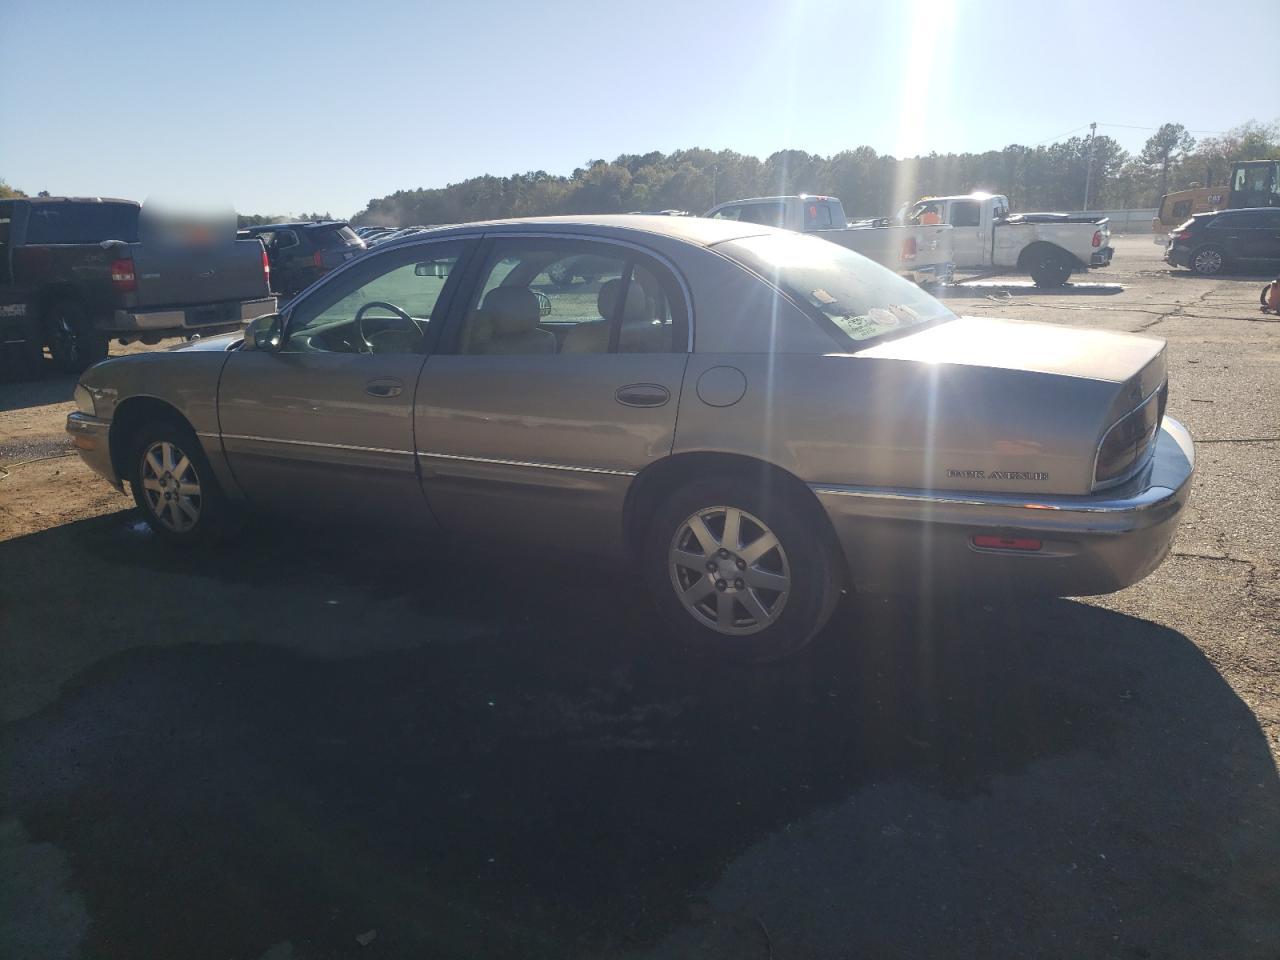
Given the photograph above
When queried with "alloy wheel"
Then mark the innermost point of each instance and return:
(1208, 261)
(729, 571)
(171, 486)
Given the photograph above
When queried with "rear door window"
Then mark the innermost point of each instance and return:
(817, 215)
(327, 238)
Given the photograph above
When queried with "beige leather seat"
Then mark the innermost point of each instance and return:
(640, 333)
(507, 322)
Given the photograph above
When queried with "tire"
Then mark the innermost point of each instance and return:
(1207, 261)
(797, 583)
(1050, 268)
(165, 461)
(73, 342)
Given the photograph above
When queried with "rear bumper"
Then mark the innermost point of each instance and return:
(92, 437)
(1177, 255)
(922, 541)
(199, 317)
(1102, 257)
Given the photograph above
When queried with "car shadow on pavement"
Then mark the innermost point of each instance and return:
(295, 740)
(977, 289)
(36, 392)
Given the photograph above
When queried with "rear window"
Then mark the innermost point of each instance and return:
(328, 237)
(82, 222)
(858, 300)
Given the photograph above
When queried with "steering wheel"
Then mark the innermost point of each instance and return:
(359, 321)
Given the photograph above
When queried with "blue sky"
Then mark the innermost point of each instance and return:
(284, 107)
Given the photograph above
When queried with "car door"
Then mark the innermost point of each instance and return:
(324, 423)
(1256, 235)
(560, 383)
(968, 239)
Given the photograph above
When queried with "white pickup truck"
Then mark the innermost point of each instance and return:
(919, 253)
(1049, 246)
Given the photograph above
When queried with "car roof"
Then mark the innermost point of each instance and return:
(132, 203)
(700, 231)
(299, 225)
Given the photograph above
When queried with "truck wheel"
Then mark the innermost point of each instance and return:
(1208, 261)
(739, 571)
(73, 342)
(1050, 269)
(174, 486)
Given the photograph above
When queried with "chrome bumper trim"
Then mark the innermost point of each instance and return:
(527, 463)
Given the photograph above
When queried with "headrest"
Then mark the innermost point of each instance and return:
(635, 308)
(512, 310)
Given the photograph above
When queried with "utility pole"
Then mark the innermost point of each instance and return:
(1088, 170)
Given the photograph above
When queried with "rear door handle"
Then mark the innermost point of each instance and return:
(384, 387)
(643, 395)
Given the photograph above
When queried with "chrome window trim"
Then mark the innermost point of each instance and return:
(527, 463)
(1141, 461)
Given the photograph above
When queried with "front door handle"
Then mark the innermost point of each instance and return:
(643, 395)
(384, 387)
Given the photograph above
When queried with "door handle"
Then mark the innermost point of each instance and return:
(384, 387)
(643, 395)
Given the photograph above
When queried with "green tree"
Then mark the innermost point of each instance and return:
(7, 192)
(1167, 145)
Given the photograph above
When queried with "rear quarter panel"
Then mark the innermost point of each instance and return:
(879, 422)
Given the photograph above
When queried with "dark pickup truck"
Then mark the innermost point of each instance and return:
(75, 275)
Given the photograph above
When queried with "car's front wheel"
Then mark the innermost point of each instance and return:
(741, 570)
(173, 484)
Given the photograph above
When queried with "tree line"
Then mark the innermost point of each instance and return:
(1039, 177)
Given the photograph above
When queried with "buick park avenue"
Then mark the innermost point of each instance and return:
(755, 421)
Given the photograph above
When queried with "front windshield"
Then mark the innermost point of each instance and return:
(861, 299)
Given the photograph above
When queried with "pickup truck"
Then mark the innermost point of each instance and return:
(85, 278)
(1049, 246)
(919, 253)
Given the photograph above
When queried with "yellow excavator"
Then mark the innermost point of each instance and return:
(1253, 183)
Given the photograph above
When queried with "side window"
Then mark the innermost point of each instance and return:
(1181, 210)
(559, 296)
(286, 239)
(965, 213)
(382, 305)
(765, 214)
(728, 213)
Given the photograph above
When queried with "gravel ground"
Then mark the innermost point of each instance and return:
(306, 746)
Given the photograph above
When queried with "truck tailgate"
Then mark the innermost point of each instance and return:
(170, 275)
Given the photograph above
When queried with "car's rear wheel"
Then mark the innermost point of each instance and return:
(741, 570)
(1050, 269)
(73, 342)
(1208, 261)
(173, 484)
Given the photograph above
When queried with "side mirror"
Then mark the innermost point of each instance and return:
(266, 333)
(432, 268)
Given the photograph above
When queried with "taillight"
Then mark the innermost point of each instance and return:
(1182, 235)
(909, 249)
(1097, 238)
(317, 259)
(1130, 438)
(266, 268)
(122, 276)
